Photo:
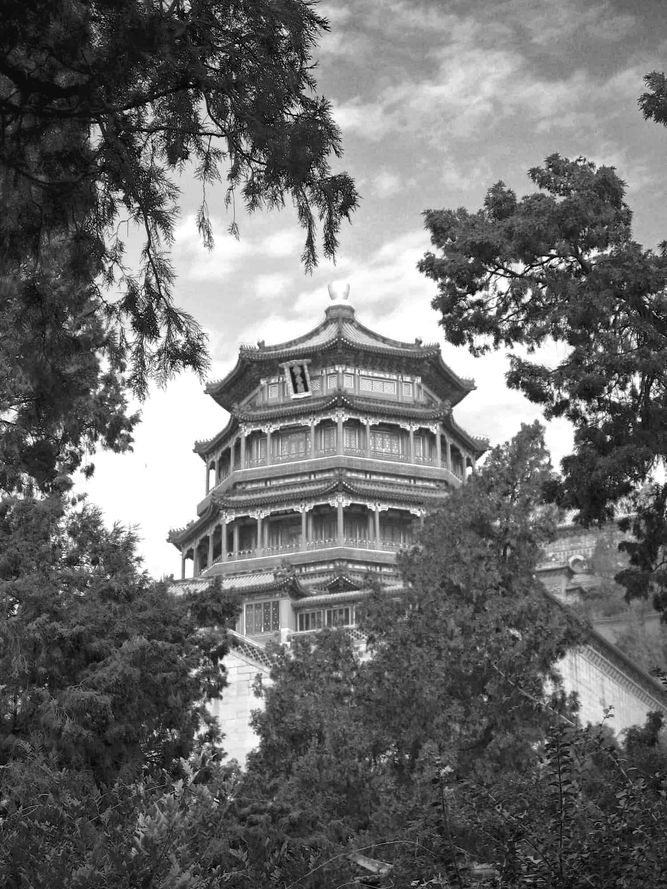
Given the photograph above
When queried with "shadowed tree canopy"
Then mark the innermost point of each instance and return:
(103, 670)
(102, 104)
(456, 679)
(560, 266)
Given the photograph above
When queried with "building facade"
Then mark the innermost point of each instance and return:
(338, 443)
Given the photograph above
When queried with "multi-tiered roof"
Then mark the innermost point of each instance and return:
(337, 442)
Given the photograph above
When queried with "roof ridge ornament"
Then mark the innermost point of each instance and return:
(339, 291)
(340, 309)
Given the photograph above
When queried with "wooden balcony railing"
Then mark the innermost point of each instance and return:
(316, 543)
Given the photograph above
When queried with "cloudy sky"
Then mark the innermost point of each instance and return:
(436, 100)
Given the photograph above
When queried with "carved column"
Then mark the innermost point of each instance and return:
(182, 567)
(231, 456)
(370, 531)
(340, 521)
(242, 451)
(259, 515)
(303, 509)
(340, 418)
(448, 446)
(208, 472)
(411, 433)
(235, 539)
(209, 561)
(438, 447)
(367, 443)
(195, 560)
(268, 430)
(312, 436)
(377, 523)
(223, 538)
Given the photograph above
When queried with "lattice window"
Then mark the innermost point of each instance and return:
(351, 436)
(325, 527)
(293, 444)
(348, 381)
(328, 438)
(377, 385)
(327, 617)
(356, 527)
(258, 448)
(408, 390)
(422, 447)
(339, 617)
(284, 533)
(385, 442)
(262, 617)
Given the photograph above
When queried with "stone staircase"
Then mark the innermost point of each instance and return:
(249, 649)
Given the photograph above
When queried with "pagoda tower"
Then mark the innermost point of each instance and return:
(338, 443)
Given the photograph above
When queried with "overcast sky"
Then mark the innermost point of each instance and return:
(436, 101)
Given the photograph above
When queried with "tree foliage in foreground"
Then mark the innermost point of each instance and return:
(439, 753)
(560, 266)
(102, 105)
(103, 670)
(456, 679)
(443, 750)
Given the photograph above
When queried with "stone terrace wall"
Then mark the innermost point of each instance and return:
(600, 683)
(238, 701)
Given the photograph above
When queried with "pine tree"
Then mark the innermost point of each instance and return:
(102, 104)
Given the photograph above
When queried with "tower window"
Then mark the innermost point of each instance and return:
(262, 617)
(297, 378)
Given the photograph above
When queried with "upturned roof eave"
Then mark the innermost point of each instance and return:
(308, 490)
(476, 444)
(179, 536)
(345, 399)
(222, 390)
(204, 446)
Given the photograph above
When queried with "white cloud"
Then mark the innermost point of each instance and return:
(469, 82)
(272, 284)
(556, 23)
(286, 242)
(472, 88)
(386, 183)
(197, 263)
(337, 14)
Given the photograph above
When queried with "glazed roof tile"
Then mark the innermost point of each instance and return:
(339, 324)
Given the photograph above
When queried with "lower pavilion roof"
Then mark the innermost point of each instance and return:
(312, 491)
(248, 584)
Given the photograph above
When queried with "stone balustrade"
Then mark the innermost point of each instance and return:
(319, 543)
